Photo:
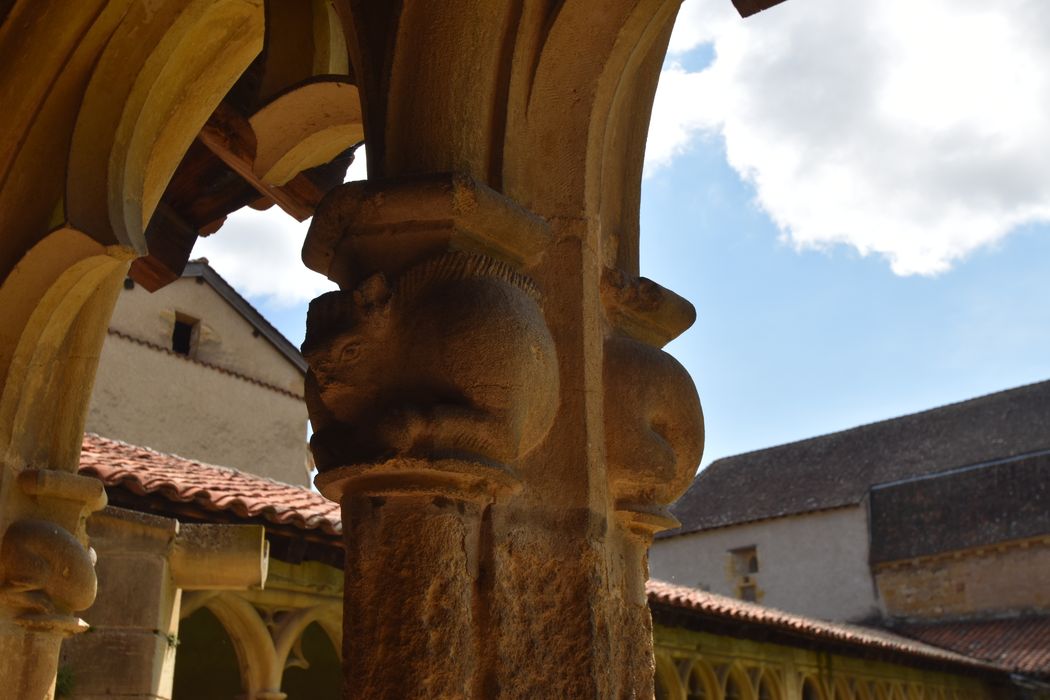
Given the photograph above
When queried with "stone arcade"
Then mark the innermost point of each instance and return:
(505, 143)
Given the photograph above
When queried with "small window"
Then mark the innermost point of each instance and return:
(745, 560)
(743, 567)
(184, 334)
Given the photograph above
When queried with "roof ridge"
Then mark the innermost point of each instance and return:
(881, 421)
(251, 314)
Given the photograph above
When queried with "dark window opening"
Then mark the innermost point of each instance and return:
(182, 335)
(749, 592)
(745, 560)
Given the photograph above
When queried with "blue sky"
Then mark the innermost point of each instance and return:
(857, 207)
(789, 344)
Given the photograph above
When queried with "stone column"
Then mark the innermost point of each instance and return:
(654, 438)
(145, 562)
(459, 380)
(46, 576)
(432, 373)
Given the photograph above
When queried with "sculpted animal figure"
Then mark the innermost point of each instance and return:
(455, 360)
(654, 426)
(45, 569)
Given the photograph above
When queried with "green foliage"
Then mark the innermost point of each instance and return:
(64, 682)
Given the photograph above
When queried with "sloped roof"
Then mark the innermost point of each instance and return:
(961, 508)
(1019, 644)
(201, 269)
(212, 488)
(711, 607)
(836, 470)
(143, 472)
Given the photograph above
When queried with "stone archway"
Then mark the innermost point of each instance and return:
(103, 101)
(496, 522)
(206, 662)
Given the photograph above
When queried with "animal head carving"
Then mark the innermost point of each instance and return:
(654, 426)
(456, 360)
(342, 325)
(45, 569)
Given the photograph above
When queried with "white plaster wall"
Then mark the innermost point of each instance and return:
(163, 401)
(226, 338)
(814, 564)
(157, 399)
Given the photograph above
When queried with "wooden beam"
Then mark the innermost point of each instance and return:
(170, 241)
(230, 137)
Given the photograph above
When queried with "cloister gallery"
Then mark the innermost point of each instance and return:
(490, 328)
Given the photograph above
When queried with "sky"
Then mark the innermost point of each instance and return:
(855, 196)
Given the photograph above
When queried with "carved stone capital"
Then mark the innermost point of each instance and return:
(451, 360)
(447, 478)
(654, 426)
(46, 573)
(367, 227)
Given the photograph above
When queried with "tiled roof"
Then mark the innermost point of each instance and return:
(1020, 644)
(711, 606)
(988, 504)
(143, 471)
(836, 470)
(146, 472)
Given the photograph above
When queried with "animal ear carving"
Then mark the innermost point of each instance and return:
(654, 426)
(373, 292)
(453, 361)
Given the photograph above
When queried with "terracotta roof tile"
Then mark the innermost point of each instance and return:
(711, 605)
(144, 471)
(1020, 644)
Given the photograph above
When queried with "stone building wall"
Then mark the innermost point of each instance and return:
(813, 564)
(235, 400)
(1007, 577)
(227, 338)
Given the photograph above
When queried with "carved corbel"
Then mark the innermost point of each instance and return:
(435, 356)
(46, 573)
(654, 427)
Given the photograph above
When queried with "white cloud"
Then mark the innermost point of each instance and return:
(260, 252)
(913, 130)
(358, 170)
